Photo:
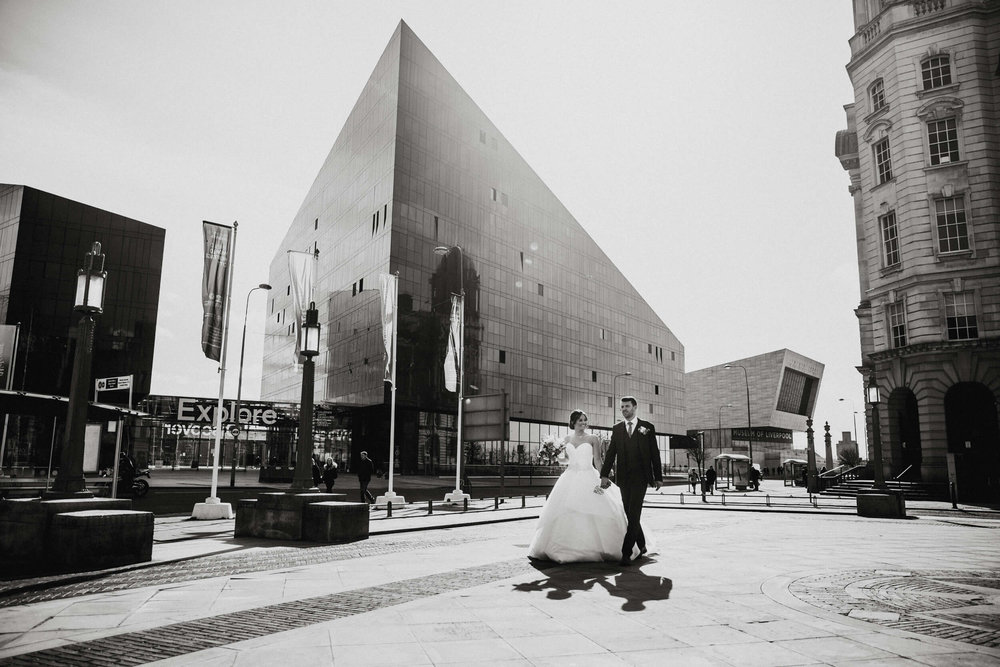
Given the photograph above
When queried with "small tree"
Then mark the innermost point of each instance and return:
(849, 457)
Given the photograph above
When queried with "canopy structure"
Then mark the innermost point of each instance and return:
(732, 457)
(50, 405)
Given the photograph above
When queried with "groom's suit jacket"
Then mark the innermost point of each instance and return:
(638, 456)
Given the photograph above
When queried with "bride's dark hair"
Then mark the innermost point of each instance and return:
(574, 417)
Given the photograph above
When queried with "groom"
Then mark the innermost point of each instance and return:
(633, 441)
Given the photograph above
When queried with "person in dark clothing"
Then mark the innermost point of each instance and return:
(365, 470)
(753, 476)
(329, 475)
(317, 472)
(126, 474)
(710, 476)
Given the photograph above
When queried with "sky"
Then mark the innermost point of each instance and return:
(692, 141)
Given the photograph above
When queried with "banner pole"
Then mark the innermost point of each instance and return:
(222, 367)
(392, 416)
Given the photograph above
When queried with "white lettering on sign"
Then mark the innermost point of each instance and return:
(192, 410)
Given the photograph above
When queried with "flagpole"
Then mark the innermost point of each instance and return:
(390, 495)
(213, 508)
(10, 385)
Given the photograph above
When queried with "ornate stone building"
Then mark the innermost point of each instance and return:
(923, 152)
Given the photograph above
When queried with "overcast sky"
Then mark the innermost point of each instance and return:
(692, 140)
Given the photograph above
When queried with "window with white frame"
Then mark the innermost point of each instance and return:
(936, 72)
(953, 233)
(890, 239)
(883, 161)
(897, 323)
(942, 141)
(876, 95)
(960, 316)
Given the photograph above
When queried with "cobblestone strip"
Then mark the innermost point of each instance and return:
(136, 648)
(227, 564)
(923, 602)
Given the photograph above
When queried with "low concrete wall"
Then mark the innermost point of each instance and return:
(336, 522)
(277, 516)
(882, 504)
(95, 539)
(28, 543)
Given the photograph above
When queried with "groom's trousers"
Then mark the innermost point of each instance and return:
(632, 498)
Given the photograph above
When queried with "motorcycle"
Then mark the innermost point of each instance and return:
(140, 487)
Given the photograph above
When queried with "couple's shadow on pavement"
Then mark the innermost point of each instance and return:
(630, 583)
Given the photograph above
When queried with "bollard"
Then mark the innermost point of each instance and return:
(951, 492)
(430, 507)
(703, 493)
(723, 499)
(465, 504)
(388, 510)
(767, 500)
(523, 502)
(682, 497)
(496, 503)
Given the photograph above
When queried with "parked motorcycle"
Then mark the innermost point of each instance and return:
(140, 487)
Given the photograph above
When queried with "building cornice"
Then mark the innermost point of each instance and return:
(936, 346)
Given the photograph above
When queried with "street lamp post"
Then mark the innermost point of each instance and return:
(614, 402)
(309, 337)
(90, 281)
(239, 386)
(872, 397)
(854, 414)
(721, 408)
(746, 378)
(457, 495)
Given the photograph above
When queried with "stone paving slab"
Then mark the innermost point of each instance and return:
(729, 588)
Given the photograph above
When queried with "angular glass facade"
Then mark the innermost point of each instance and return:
(549, 320)
(43, 240)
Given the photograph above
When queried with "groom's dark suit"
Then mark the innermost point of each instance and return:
(638, 467)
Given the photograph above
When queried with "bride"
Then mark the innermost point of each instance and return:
(581, 521)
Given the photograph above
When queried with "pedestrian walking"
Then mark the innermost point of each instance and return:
(693, 480)
(365, 470)
(710, 476)
(329, 475)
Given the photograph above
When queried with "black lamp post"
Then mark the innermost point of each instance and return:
(872, 397)
(70, 482)
(721, 408)
(309, 337)
(746, 379)
(236, 429)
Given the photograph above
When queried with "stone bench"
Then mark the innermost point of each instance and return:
(97, 539)
(335, 521)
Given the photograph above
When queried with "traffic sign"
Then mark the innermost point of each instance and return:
(234, 430)
(120, 382)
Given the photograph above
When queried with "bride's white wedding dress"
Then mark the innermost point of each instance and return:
(577, 524)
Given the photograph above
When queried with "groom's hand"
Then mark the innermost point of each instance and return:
(657, 484)
(605, 482)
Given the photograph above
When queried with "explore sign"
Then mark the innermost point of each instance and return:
(203, 412)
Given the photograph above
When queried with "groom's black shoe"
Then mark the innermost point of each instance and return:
(624, 561)
(642, 551)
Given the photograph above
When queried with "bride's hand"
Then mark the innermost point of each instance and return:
(605, 482)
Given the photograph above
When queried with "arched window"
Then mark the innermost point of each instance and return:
(876, 95)
(936, 71)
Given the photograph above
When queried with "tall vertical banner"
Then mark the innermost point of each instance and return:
(8, 336)
(452, 357)
(389, 287)
(214, 285)
(301, 266)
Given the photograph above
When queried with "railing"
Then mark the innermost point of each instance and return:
(749, 500)
(894, 12)
(900, 475)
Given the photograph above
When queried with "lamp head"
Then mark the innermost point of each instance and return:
(90, 282)
(728, 366)
(442, 250)
(263, 286)
(310, 332)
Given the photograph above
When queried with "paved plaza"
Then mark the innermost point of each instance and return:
(731, 585)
